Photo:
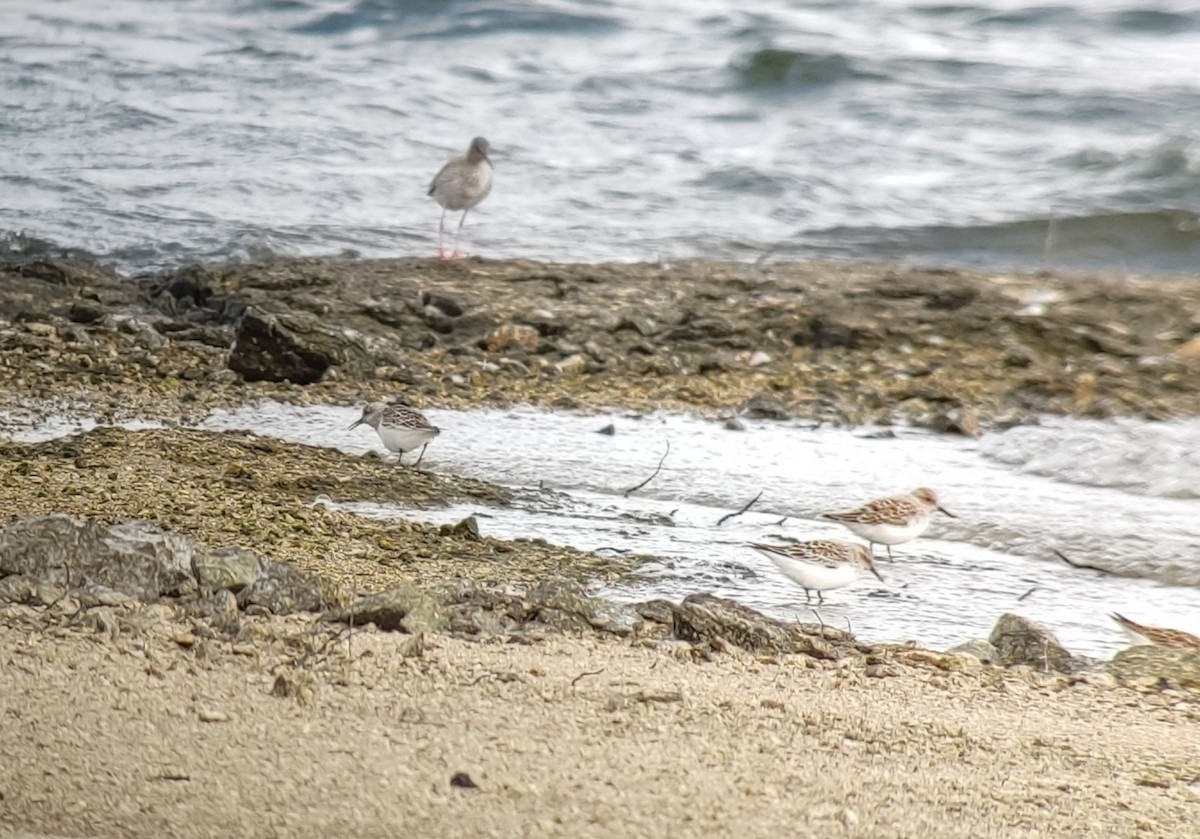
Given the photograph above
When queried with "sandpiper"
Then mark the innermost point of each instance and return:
(893, 520)
(820, 564)
(400, 427)
(460, 185)
(1158, 636)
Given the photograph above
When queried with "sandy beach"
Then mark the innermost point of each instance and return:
(141, 736)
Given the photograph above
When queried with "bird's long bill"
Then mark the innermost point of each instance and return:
(355, 424)
(947, 512)
(875, 571)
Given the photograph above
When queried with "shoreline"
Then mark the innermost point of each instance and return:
(848, 343)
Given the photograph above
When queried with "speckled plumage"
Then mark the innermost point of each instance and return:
(400, 427)
(893, 520)
(819, 564)
(1141, 634)
(460, 185)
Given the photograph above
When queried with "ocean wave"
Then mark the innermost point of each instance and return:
(1155, 459)
(1168, 239)
(773, 68)
(448, 19)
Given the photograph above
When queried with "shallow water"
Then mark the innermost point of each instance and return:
(1000, 132)
(1016, 500)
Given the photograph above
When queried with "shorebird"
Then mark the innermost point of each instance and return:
(400, 427)
(893, 520)
(460, 185)
(1140, 634)
(820, 564)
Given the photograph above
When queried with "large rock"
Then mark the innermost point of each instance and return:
(1019, 640)
(135, 558)
(705, 619)
(102, 564)
(1146, 667)
(403, 608)
(295, 348)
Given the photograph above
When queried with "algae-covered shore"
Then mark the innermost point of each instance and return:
(573, 727)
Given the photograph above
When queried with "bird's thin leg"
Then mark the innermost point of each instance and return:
(455, 254)
(820, 597)
(442, 236)
(807, 596)
(400, 458)
(889, 547)
(421, 455)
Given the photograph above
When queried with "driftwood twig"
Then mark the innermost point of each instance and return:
(749, 504)
(653, 475)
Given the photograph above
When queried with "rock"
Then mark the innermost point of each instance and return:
(826, 332)
(982, 650)
(283, 589)
(766, 406)
(446, 305)
(964, 421)
(693, 328)
(1146, 667)
(295, 684)
(226, 568)
(716, 621)
(295, 348)
(641, 324)
(403, 608)
(608, 430)
(219, 606)
(468, 528)
(572, 364)
(437, 320)
(1019, 640)
(565, 606)
(734, 424)
(135, 558)
(85, 311)
(18, 588)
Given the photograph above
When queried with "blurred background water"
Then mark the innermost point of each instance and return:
(992, 132)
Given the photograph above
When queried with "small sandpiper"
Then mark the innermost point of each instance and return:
(1140, 634)
(400, 427)
(893, 520)
(820, 564)
(460, 185)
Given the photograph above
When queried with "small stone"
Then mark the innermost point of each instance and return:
(213, 715)
(463, 781)
(734, 424)
(576, 363)
(608, 430)
(766, 406)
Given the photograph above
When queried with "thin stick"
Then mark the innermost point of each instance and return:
(657, 469)
(587, 673)
(749, 504)
(1026, 594)
(1063, 557)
